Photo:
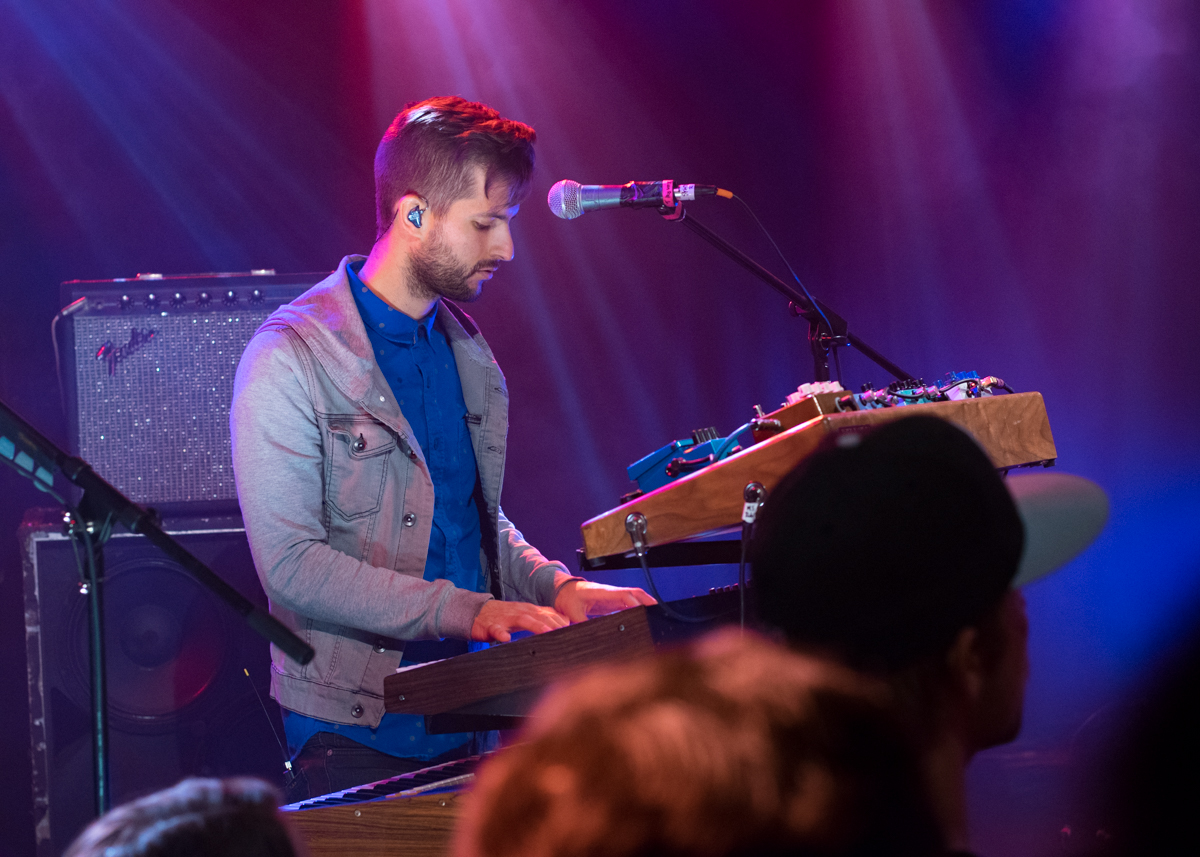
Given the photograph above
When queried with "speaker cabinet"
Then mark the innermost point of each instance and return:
(149, 366)
(179, 702)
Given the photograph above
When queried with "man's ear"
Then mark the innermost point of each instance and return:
(409, 215)
(990, 665)
(968, 665)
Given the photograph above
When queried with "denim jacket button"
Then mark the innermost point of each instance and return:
(356, 711)
(409, 519)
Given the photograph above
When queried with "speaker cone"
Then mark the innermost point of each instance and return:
(166, 643)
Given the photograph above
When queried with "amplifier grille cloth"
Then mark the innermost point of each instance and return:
(158, 427)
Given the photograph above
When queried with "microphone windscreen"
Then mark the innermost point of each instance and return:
(565, 200)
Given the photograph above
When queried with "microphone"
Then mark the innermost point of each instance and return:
(568, 199)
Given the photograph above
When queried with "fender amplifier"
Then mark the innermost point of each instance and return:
(149, 364)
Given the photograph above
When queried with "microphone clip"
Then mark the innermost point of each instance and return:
(674, 212)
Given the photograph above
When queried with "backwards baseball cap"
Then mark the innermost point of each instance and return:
(881, 548)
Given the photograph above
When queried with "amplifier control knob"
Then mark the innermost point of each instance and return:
(151, 301)
(256, 296)
(230, 298)
(126, 303)
(178, 300)
(204, 299)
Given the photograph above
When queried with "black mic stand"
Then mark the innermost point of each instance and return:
(81, 529)
(826, 329)
(90, 523)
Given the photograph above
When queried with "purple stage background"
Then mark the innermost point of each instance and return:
(1011, 187)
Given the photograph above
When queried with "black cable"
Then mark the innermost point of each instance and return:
(753, 497)
(667, 608)
(83, 575)
(287, 762)
(746, 528)
(58, 375)
(803, 287)
(635, 525)
(70, 309)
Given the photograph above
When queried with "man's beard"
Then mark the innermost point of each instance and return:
(434, 273)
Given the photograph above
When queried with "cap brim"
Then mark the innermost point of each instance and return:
(1062, 514)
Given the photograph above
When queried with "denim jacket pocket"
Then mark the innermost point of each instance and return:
(358, 452)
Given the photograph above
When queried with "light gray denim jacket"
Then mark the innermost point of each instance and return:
(338, 501)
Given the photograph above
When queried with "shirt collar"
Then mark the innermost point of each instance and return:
(387, 321)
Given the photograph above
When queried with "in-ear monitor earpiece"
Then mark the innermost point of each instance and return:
(414, 217)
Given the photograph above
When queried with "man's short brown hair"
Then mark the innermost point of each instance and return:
(433, 146)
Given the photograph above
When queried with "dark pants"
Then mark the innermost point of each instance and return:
(330, 763)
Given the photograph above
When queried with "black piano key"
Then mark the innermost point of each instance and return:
(379, 791)
(454, 769)
(383, 789)
(420, 778)
(400, 783)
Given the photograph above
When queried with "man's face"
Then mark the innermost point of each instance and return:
(465, 245)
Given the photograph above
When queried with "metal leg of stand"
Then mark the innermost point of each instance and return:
(95, 580)
(820, 350)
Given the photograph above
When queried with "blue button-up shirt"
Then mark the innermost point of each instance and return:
(418, 363)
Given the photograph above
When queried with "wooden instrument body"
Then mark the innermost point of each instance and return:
(418, 826)
(1014, 430)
